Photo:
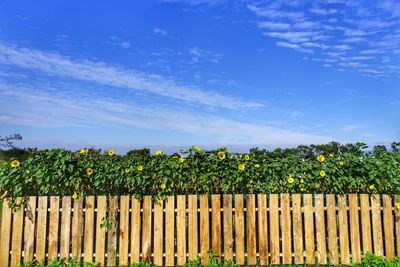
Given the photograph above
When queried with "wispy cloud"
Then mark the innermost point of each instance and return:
(160, 31)
(119, 42)
(103, 73)
(203, 55)
(350, 127)
(294, 46)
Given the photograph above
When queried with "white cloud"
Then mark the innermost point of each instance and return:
(119, 42)
(350, 127)
(202, 55)
(275, 26)
(293, 37)
(160, 31)
(294, 46)
(103, 73)
(323, 12)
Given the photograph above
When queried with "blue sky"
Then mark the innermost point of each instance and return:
(212, 73)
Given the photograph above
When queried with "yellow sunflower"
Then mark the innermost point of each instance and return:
(371, 187)
(140, 168)
(221, 155)
(75, 196)
(111, 152)
(322, 173)
(89, 171)
(241, 167)
(181, 160)
(257, 166)
(321, 158)
(15, 163)
(158, 153)
(290, 180)
(246, 157)
(341, 163)
(127, 170)
(163, 186)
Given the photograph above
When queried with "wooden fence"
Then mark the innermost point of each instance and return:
(271, 229)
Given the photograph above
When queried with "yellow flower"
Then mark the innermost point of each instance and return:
(242, 167)
(89, 171)
(398, 205)
(290, 180)
(322, 173)
(111, 152)
(75, 196)
(257, 166)
(371, 187)
(321, 158)
(15, 163)
(127, 170)
(181, 160)
(221, 155)
(302, 181)
(341, 163)
(197, 149)
(246, 157)
(159, 153)
(163, 186)
(84, 151)
(140, 168)
(331, 155)
(302, 189)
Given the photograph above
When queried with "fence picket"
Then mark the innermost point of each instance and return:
(41, 229)
(146, 229)
(262, 229)
(354, 230)
(297, 229)
(100, 231)
(309, 229)
(274, 228)
(388, 223)
(53, 227)
(251, 229)
(16, 243)
(123, 231)
(65, 227)
(286, 229)
(158, 233)
(193, 226)
(29, 229)
(333, 255)
(239, 230)
(343, 230)
(320, 229)
(228, 237)
(170, 231)
(89, 229)
(376, 225)
(135, 231)
(77, 229)
(181, 230)
(365, 223)
(5, 234)
(204, 229)
(216, 224)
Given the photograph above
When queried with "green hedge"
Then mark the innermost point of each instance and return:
(331, 168)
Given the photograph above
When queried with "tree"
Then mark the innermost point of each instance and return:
(8, 141)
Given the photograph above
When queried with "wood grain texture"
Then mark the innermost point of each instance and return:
(181, 230)
(297, 229)
(216, 225)
(88, 229)
(333, 254)
(251, 229)
(53, 227)
(193, 227)
(239, 230)
(123, 230)
(100, 231)
(204, 229)
(274, 228)
(397, 224)
(41, 229)
(158, 233)
(135, 231)
(354, 229)
(309, 229)
(29, 229)
(17, 228)
(5, 234)
(146, 229)
(286, 229)
(262, 229)
(65, 227)
(77, 221)
(170, 231)
(366, 224)
(320, 229)
(376, 225)
(227, 228)
(388, 229)
(343, 230)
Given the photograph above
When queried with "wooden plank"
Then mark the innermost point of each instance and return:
(65, 227)
(41, 229)
(228, 234)
(29, 229)
(397, 223)
(181, 230)
(112, 232)
(262, 229)
(216, 225)
(89, 229)
(274, 228)
(388, 230)
(135, 231)
(17, 227)
(5, 234)
(124, 230)
(309, 229)
(204, 229)
(320, 229)
(193, 235)
(332, 229)
(343, 230)
(354, 229)
(286, 229)
(170, 231)
(146, 230)
(297, 229)
(251, 229)
(77, 221)
(100, 231)
(239, 230)
(53, 227)
(158, 233)
(366, 224)
(376, 225)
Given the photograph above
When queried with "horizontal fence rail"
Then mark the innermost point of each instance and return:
(271, 229)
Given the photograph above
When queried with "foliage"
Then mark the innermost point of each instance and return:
(371, 260)
(331, 168)
(8, 141)
(64, 262)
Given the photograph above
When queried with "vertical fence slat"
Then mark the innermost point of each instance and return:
(100, 231)
(228, 236)
(286, 229)
(193, 236)
(262, 229)
(53, 227)
(320, 228)
(181, 230)
(65, 227)
(216, 224)
(297, 229)
(309, 229)
(251, 229)
(158, 233)
(170, 231)
(397, 223)
(112, 232)
(29, 229)
(274, 228)
(376, 225)
(365, 223)
(354, 229)
(239, 230)
(388, 223)
(77, 229)
(332, 229)
(146, 229)
(124, 230)
(16, 243)
(89, 229)
(343, 230)
(135, 231)
(41, 229)
(204, 229)
(5, 234)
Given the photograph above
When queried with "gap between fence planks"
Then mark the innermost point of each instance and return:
(243, 228)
